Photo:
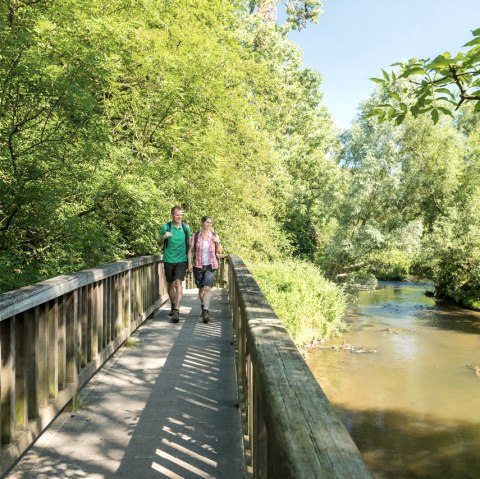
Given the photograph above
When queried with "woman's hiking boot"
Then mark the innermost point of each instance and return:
(205, 317)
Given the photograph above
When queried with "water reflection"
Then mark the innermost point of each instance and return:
(412, 407)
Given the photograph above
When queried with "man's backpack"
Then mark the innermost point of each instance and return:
(185, 231)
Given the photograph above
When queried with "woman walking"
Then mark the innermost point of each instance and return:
(203, 248)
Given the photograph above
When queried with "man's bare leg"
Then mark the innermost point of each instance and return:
(171, 292)
(178, 293)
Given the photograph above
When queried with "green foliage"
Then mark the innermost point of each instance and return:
(79, 403)
(131, 342)
(390, 264)
(307, 182)
(410, 207)
(309, 306)
(431, 87)
(402, 179)
(111, 112)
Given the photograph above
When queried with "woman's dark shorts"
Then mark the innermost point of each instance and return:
(174, 271)
(204, 276)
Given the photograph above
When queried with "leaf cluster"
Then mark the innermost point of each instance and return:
(431, 87)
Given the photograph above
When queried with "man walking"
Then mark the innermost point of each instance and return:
(174, 237)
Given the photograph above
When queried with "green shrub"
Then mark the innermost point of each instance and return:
(310, 306)
(390, 264)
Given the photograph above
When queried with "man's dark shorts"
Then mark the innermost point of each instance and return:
(174, 271)
(204, 276)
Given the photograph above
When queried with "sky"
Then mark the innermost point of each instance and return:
(355, 39)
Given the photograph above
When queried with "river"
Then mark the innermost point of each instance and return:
(411, 403)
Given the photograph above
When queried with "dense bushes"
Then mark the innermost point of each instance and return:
(310, 306)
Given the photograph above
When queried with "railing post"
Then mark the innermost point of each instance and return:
(94, 310)
(117, 287)
(43, 356)
(7, 380)
(53, 349)
(89, 334)
(31, 319)
(71, 320)
(62, 344)
(100, 289)
(21, 409)
(106, 311)
(128, 293)
(82, 328)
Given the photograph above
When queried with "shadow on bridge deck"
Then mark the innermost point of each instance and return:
(165, 408)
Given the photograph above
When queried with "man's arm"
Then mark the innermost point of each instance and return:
(164, 234)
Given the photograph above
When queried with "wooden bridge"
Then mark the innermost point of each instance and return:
(235, 394)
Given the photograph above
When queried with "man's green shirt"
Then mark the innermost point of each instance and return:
(174, 251)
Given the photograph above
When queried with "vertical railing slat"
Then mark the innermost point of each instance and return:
(43, 356)
(7, 380)
(100, 315)
(21, 404)
(94, 322)
(52, 352)
(89, 322)
(62, 344)
(71, 319)
(31, 321)
(118, 305)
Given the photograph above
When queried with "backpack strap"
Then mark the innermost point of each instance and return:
(187, 236)
(169, 228)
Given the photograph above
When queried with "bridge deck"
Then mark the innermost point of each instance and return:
(165, 408)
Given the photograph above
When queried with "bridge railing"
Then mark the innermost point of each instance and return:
(55, 334)
(291, 429)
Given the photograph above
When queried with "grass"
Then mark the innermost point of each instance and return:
(310, 306)
(131, 342)
(79, 402)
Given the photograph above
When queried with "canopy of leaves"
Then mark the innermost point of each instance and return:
(113, 111)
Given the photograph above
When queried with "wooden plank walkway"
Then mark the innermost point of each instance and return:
(165, 408)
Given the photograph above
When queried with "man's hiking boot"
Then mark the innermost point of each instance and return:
(172, 309)
(176, 316)
(205, 317)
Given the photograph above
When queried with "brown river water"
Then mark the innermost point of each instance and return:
(411, 403)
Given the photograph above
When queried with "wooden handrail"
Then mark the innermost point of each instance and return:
(292, 430)
(55, 334)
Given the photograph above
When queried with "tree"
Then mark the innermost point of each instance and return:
(434, 87)
(299, 12)
(403, 179)
(451, 249)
